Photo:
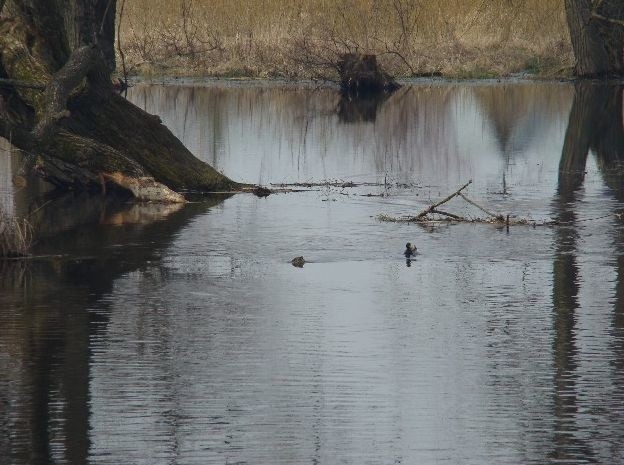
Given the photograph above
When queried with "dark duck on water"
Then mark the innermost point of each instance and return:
(410, 250)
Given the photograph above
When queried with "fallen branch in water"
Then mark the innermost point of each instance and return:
(432, 215)
(454, 219)
(341, 184)
(450, 215)
(475, 204)
(431, 209)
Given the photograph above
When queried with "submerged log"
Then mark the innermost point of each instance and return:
(68, 117)
(361, 75)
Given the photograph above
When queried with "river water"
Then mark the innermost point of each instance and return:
(146, 334)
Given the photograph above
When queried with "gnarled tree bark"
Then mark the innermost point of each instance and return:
(57, 103)
(597, 35)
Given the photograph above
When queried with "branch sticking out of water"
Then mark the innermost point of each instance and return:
(433, 215)
(449, 218)
(432, 208)
(338, 183)
(475, 204)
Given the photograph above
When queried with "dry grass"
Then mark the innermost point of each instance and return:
(15, 236)
(299, 39)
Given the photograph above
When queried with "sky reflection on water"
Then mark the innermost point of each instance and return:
(186, 336)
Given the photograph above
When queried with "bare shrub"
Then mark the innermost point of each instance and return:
(298, 39)
(180, 39)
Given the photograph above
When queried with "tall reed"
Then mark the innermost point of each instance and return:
(16, 236)
(294, 38)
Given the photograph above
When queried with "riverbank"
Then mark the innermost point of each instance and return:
(462, 39)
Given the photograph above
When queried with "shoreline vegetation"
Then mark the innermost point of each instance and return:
(295, 40)
(16, 236)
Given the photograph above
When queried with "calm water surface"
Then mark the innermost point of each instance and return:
(166, 335)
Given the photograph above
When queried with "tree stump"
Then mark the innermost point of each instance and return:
(361, 75)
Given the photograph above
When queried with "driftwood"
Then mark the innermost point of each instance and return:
(329, 183)
(475, 204)
(496, 221)
(426, 217)
(432, 208)
(346, 184)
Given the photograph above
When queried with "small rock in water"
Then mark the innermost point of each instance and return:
(298, 262)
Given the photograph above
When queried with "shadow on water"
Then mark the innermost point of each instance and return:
(595, 126)
(50, 403)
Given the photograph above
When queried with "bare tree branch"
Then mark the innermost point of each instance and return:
(431, 209)
(596, 15)
(619, 22)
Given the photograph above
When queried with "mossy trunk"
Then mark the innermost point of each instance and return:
(57, 104)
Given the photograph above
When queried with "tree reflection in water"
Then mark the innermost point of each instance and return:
(50, 363)
(595, 126)
(54, 370)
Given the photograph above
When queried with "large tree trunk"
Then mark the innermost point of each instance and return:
(58, 105)
(597, 34)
